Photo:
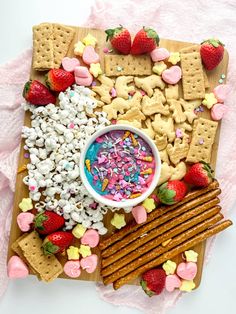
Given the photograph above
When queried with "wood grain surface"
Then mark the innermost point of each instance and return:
(22, 190)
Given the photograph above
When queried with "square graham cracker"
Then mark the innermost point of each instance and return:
(43, 47)
(47, 266)
(203, 137)
(117, 65)
(62, 38)
(192, 74)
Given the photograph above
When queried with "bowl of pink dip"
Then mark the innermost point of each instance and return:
(120, 166)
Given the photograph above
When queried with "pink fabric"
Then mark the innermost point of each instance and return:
(202, 19)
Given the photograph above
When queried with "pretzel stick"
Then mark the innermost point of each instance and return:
(165, 232)
(154, 214)
(175, 251)
(148, 256)
(141, 240)
(154, 223)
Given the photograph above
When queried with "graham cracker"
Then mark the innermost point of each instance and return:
(15, 247)
(47, 266)
(62, 37)
(192, 73)
(117, 65)
(206, 81)
(203, 137)
(43, 47)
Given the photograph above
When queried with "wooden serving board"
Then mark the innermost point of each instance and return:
(22, 190)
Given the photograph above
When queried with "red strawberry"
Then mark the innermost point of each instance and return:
(37, 94)
(59, 80)
(120, 39)
(212, 52)
(145, 41)
(172, 192)
(153, 281)
(199, 174)
(48, 222)
(57, 242)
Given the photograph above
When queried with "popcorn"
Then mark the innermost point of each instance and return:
(54, 141)
(26, 204)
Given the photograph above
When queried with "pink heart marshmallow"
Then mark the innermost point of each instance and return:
(82, 76)
(72, 269)
(172, 75)
(218, 111)
(89, 263)
(221, 92)
(159, 54)
(90, 238)
(172, 282)
(24, 220)
(69, 64)
(16, 268)
(90, 55)
(187, 270)
(81, 71)
(139, 213)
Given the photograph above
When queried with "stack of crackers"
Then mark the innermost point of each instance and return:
(51, 43)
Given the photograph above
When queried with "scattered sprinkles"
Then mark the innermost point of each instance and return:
(105, 50)
(26, 155)
(179, 133)
(119, 68)
(119, 165)
(221, 81)
(201, 141)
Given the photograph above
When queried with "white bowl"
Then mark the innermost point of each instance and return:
(129, 202)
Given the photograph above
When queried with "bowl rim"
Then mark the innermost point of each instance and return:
(130, 202)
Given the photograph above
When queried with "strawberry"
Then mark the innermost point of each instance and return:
(120, 39)
(212, 52)
(48, 222)
(145, 41)
(59, 80)
(37, 94)
(153, 281)
(57, 242)
(200, 174)
(172, 192)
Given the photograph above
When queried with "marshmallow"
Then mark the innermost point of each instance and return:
(172, 282)
(139, 213)
(91, 238)
(90, 56)
(72, 269)
(89, 263)
(159, 54)
(85, 250)
(69, 64)
(73, 253)
(187, 270)
(24, 221)
(26, 204)
(16, 268)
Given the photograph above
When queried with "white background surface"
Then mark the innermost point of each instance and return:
(217, 291)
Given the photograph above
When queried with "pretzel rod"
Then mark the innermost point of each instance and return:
(175, 251)
(154, 214)
(156, 222)
(165, 232)
(145, 237)
(157, 251)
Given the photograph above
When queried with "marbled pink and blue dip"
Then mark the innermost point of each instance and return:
(119, 165)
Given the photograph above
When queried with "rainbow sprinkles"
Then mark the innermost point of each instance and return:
(119, 165)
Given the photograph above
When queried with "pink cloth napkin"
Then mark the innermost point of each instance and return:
(202, 19)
